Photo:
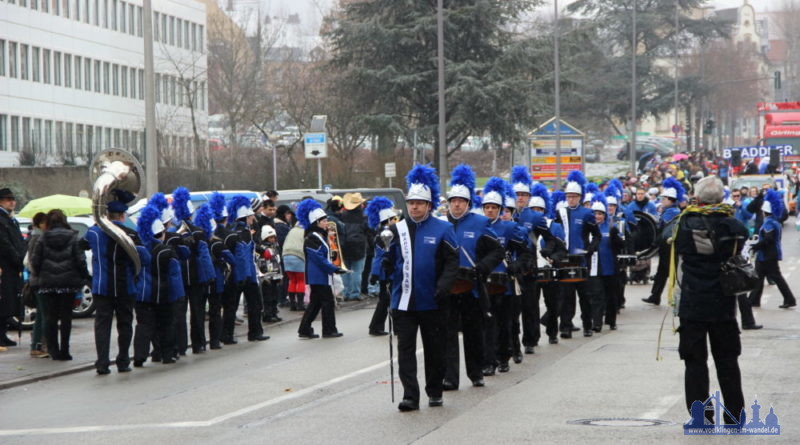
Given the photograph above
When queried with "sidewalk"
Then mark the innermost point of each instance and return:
(17, 367)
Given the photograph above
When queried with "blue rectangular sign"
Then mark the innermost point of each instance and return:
(315, 138)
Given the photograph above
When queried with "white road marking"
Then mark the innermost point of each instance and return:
(661, 407)
(195, 423)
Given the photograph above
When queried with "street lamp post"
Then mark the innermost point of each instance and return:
(632, 153)
(151, 151)
(557, 69)
(440, 63)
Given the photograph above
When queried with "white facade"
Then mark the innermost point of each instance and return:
(72, 79)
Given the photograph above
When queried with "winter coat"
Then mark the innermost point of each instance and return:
(293, 245)
(58, 262)
(356, 235)
(319, 268)
(12, 245)
(35, 234)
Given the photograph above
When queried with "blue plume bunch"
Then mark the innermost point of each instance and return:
(144, 226)
(463, 175)
(425, 174)
(477, 201)
(541, 191)
(617, 186)
(577, 176)
(202, 219)
(510, 190)
(775, 202)
(236, 203)
(303, 209)
(612, 191)
(159, 201)
(217, 204)
(556, 197)
(592, 188)
(374, 208)
(180, 203)
(520, 173)
(495, 184)
(672, 183)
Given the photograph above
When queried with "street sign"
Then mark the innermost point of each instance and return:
(544, 155)
(316, 145)
(677, 129)
(758, 152)
(390, 170)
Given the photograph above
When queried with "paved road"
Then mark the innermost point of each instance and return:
(333, 391)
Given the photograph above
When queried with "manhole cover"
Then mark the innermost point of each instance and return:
(620, 421)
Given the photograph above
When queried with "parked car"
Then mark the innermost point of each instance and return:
(294, 196)
(647, 146)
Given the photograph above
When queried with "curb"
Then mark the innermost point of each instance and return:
(90, 366)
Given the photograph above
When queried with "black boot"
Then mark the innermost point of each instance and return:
(292, 302)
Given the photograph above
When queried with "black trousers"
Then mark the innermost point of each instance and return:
(230, 305)
(60, 310)
(321, 300)
(214, 318)
(106, 308)
(568, 291)
(10, 282)
(269, 293)
(155, 323)
(431, 326)
(497, 334)
(622, 278)
(771, 270)
(464, 313)
(551, 302)
(378, 322)
(603, 292)
(662, 273)
(725, 348)
(745, 310)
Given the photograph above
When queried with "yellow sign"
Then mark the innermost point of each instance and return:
(552, 160)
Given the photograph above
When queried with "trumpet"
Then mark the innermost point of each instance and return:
(335, 245)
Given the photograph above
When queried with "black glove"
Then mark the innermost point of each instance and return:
(373, 279)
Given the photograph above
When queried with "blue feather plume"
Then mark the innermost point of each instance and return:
(510, 190)
(374, 208)
(180, 203)
(592, 188)
(541, 191)
(202, 219)
(520, 173)
(463, 175)
(159, 201)
(477, 201)
(617, 187)
(236, 203)
(577, 176)
(495, 184)
(775, 202)
(217, 204)
(425, 174)
(303, 209)
(144, 225)
(555, 197)
(672, 183)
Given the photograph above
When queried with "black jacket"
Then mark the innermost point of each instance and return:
(58, 262)
(12, 245)
(701, 260)
(356, 235)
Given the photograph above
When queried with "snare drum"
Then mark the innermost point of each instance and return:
(545, 275)
(571, 274)
(464, 281)
(497, 283)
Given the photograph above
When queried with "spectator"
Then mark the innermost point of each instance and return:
(60, 267)
(265, 216)
(273, 195)
(12, 252)
(38, 347)
(284, 220)
(295, 267)
(354, 243)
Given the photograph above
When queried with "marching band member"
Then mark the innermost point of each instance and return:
(380, 213)
(422, 262)
(479, 253)
(769, 253)
(603, 284)
(672, 194)
(514, 239)
(578, 223)
(319, 270)
(223, 244)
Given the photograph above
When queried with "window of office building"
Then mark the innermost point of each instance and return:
(26, 134)
(131, 19)
(48, 137)
(107, 140)
(156, 28)
(3, 132)
(67, 70)
(194, 37)
(98, 138)
(179, 33)
(85, 11)
(96, 76)
(125, 139)
(35, 64)
(158, 88)
(106, 78)
(172, 90)
(2, 57)
(186, 34)
(57, 68)
(123, 80)
(12, 59)
(133, 82)
(123, 20)
(69, 143)
(56, 9)
(78, 70)
(36, 136)
(59, 137)
(171, 30)
(77, 10)
(23, 61)
(164, 38)
(165, 78)
(79, 139)
(139, 18)
(14, 133)
(65, 8)
(117, 138)
(201, 38)
(113, 14)
(105, 14)
(141, 84)
(115, 79)
(89, 141)
(87, 74)
(46, 65)
(96, 15)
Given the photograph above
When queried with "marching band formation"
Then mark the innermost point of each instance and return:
(479, 269)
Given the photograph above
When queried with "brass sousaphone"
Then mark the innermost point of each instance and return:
(115, 169)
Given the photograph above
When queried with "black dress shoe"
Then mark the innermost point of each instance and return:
(138, 363)
(751, 327)
(613, 327)
(447, 385)
(575, 329)
(260, 337)
(168, 361)
(651, 301)
(215, 346)
(503, 367)
(125, 368)
(275, 319)
(229, 341)
(566, 334)
(529, 349)
(488, 371)
(103, 371)
(377, 333)
(435, 401)
(518, 358)
(408, 405)
(597, 329)
(333, 335)
(478, 382)
(788, 305)
(308, 336)
(553, 340)
(587, 333)
(199, 350)
(5, 341)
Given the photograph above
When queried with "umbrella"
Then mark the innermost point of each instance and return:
(680, 157)
(70, 205)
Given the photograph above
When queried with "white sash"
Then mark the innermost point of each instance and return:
(405, 249)
(325, 246)
(565, 225)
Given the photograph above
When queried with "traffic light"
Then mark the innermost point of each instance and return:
(709, 126)
(777, 80)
